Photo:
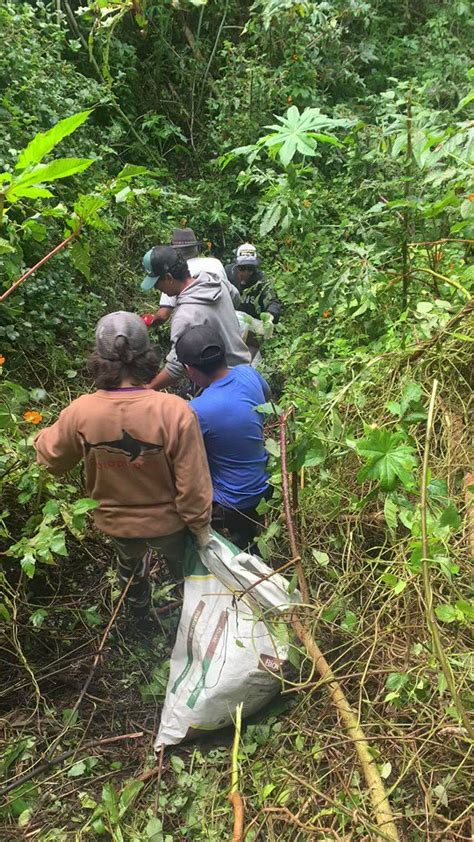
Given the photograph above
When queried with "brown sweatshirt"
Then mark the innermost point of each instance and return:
(144, 458)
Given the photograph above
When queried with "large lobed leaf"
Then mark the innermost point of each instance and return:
(389, 459)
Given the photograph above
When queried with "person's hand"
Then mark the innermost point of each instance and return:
(148, 318)
(203, 536)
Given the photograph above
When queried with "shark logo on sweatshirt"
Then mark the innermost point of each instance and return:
(132, 447)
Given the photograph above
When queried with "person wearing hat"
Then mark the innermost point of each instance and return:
(184, 241)
(144, 457)
(256, 292)
(232, 430)
(199, 300)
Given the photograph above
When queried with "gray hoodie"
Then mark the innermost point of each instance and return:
(206, 302)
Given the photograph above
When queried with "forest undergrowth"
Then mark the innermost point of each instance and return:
(338, 137)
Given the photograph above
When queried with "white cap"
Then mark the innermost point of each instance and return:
(246, 250)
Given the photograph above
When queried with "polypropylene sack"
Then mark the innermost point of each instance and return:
(263, 326)
(229, 649)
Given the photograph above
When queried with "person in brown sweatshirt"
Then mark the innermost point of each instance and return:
(144, 456)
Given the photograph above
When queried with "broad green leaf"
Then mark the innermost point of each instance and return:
(447, 613)
(77, 769)
(5, 246)
(272, 447)
(270, 219)
(128, 794)
(29, 193)
(110, 801)
(450, 517)
(154, 830)
(43, 142)
(131, 171)
(58, 543)
(390, 510)
(389, 460)
(42, 173)
(70, 716)
(321, 558)
(28, 565)
(38, 617)
(88, 205)
(386, 770)
(91, 616)
(80, 256)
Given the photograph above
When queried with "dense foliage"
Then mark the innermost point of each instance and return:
(337, 136)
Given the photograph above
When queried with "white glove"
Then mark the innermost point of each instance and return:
(203, 536)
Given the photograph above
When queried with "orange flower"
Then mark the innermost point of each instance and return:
(33, 417)
(2, 359)
(295, 56)
(307, 203)
(470, 198)
(326, 313)
(289, 99)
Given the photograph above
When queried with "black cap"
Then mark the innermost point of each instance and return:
(200, 345)
(157, 262)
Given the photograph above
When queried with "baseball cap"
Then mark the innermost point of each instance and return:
(121, 323)
(200, 345)
(246, 255)
(157, 262)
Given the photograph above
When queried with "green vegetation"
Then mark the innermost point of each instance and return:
(337, 136)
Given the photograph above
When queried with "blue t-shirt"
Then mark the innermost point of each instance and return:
(233, 435)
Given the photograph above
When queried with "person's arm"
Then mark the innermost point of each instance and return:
(59, 447)
(162, 380)
(192, 478)
(234, 292)
(162, 315)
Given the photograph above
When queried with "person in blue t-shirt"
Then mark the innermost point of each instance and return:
(232, 431)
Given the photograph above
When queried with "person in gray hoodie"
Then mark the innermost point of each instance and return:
(202, 300)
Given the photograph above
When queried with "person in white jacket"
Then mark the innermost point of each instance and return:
(184, 241)
(200, 300)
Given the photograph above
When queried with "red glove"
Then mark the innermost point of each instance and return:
(148, 318)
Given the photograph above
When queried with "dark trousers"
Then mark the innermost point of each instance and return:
(134, 558)
(241, 525)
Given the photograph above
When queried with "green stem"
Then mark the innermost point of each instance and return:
(235, 749)
(428, 592)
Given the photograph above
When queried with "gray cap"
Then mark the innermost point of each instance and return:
(128, 325)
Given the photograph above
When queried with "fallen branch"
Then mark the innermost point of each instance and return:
(380, 803)
(428, 593)
(40, 263)
(235, 797)
(47, 764)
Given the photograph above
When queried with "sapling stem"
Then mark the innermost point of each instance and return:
(234, 796)
(425, 567)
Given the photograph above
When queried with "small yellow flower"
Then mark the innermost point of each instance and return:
(307, 203)
(2, 359)
(289, 99)
(295, 56)
(33, 417)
